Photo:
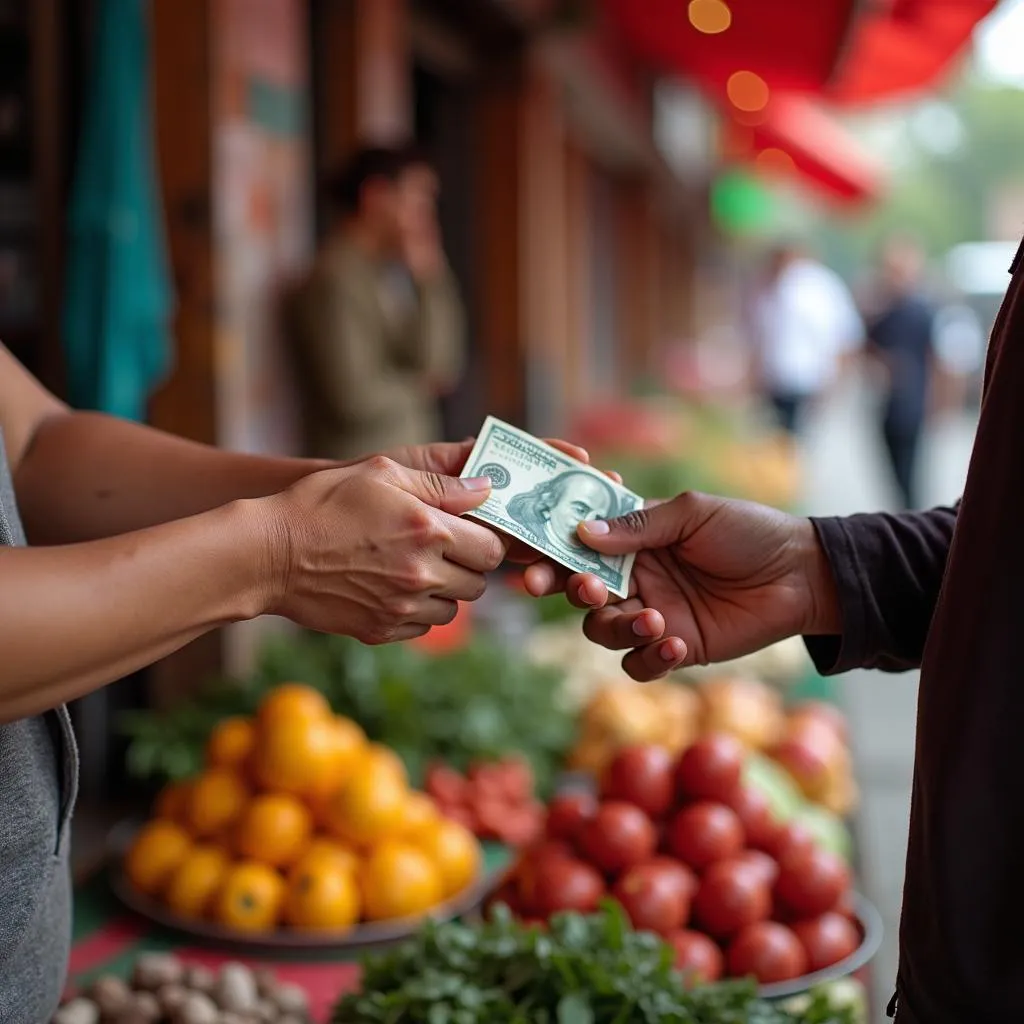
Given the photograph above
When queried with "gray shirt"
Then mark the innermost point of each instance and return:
(38, 784)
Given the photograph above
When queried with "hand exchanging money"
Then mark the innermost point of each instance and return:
(713, 579)
(540, 494)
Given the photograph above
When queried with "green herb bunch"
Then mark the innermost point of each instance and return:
(583, 970)
(481, 702)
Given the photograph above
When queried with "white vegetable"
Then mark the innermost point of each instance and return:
(78, 1011)
(236, 988)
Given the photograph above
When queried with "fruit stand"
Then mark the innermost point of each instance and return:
(504, 793)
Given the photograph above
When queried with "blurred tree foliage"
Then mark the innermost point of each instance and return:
(944, 198)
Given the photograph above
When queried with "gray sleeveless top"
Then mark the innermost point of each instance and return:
(38, 784)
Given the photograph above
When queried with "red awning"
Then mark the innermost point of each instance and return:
(790, 44)
(795, 135)
(904, 47)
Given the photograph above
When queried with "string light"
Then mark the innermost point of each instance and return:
(746, 91)
(709, 16)
(774, 162)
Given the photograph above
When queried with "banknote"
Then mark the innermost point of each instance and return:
(541, 495)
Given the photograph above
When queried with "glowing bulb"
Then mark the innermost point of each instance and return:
(774, 161)
(709, 16)
(747, 91)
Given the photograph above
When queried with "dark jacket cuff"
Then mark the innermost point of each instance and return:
(835, 654)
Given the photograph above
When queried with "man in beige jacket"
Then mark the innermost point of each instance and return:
(378, 323)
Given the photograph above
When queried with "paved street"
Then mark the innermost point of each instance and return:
(846, 473)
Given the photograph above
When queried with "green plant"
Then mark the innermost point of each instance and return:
(584, 970)
(481, 702)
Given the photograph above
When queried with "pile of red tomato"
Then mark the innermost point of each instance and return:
(694, 854)
(494, 799)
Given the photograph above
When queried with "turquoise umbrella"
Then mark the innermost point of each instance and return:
(119, 298)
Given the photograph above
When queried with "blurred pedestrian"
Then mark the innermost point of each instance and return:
(378, 324)
(900, 337)
(804, 325)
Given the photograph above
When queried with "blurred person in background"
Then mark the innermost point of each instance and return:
(378, 323)
(804, 325)
(900, 338)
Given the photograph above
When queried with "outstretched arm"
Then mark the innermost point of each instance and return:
(888, 571)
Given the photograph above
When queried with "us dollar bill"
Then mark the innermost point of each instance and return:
(540, 495)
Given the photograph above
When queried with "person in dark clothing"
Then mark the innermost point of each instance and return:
(900, 337)
(939, 589)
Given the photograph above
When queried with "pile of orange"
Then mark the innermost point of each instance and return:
(298, 821)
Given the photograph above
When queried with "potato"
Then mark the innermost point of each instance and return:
(154, 970)
(78, 1011)
(236, 988)
(111, 995)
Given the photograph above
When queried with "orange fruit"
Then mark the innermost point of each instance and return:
(196, 880)
(420, 811)
(386, 757)
(231, 743)
(399, 880)
(251, 898)
(297, 756)
(369, 807)
(321, 896)
(172, 802)
(155, 855)
(215, 802)
(328, 852)
(350, 743)
(275, 829)
(455, 852)
(292, 700)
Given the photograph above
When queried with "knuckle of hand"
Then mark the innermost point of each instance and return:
(379, 464)
(633, 522)
(422, 523)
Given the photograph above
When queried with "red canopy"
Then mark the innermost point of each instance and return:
(796, 135)
(791, 44)
(904, 46)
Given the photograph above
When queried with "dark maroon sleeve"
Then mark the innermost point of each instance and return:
(888, 571)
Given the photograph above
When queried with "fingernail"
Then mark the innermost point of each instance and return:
(477, 483)
(670, 651)
(590, 592)
(597, 527)
(642, 626)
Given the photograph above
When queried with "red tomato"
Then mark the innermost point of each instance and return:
(531, 861)
(812, 883)
(762, 863)
(711, 768)
(827, 939)
(769, 952)
(521, 825)
(754, 811)
(641, 775)
(681, 875)
(732, 894)
(652, 898)
(486, 781)
(491, 814)
(563, 884)
(790, 840)
(517, 780)
(567, 814)
(705, 832)
(617, 837)
(445, 784)
(698, 959)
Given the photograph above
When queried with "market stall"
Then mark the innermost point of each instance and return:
(300, 824)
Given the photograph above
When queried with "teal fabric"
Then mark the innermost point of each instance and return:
(118, 301)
